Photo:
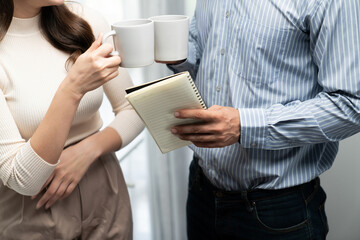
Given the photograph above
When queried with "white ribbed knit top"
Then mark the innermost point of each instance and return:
(31, 70)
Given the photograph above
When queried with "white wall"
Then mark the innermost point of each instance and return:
(342, 185)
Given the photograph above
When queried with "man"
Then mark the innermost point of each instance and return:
(282, 83)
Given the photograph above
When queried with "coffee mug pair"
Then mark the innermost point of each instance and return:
(141, 41)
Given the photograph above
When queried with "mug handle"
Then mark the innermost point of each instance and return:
(108, 34)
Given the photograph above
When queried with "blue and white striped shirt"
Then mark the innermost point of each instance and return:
(292, 70)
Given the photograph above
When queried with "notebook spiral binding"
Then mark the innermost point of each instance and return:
(196, 91)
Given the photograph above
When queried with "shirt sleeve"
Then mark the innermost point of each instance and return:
(21, 169)
(194, 52)
(333, 114)
(126, 122)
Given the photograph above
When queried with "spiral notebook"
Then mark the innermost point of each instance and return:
(155, 102)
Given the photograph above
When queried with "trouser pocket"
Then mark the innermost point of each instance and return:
(285, 213)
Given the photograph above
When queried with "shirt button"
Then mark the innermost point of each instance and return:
(222, 51)
(227, 14)
(218, 88)
(253, 145)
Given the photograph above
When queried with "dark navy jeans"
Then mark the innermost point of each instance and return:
(295, 213)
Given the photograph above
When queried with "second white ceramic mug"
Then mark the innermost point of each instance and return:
(171, 37)
(134, 42)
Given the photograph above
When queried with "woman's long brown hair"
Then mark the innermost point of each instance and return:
(62, 28)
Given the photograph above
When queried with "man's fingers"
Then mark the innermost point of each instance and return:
(200, 128)
(200, 114)
(201, 138)
(205, 115)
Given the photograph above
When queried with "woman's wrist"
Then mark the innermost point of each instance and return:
(93, 147)
(103, 142)
(69, 90)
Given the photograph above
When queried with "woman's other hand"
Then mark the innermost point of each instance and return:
(74, 162)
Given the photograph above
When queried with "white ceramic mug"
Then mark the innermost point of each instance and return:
(134, 42)
(171, 37)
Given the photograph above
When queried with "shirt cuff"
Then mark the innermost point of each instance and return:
(189, 65)
(254, 128)
(182, 67)
(32, 171)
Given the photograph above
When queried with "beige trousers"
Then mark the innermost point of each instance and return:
(99, 208)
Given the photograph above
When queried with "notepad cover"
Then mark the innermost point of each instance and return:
(155, 102)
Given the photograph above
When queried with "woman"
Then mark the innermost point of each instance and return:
(52, 78)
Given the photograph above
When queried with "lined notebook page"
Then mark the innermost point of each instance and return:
(156, 105)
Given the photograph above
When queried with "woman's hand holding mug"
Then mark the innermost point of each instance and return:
(92, 69)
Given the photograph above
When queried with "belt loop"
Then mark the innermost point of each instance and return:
(315, 184)
(244, 197)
